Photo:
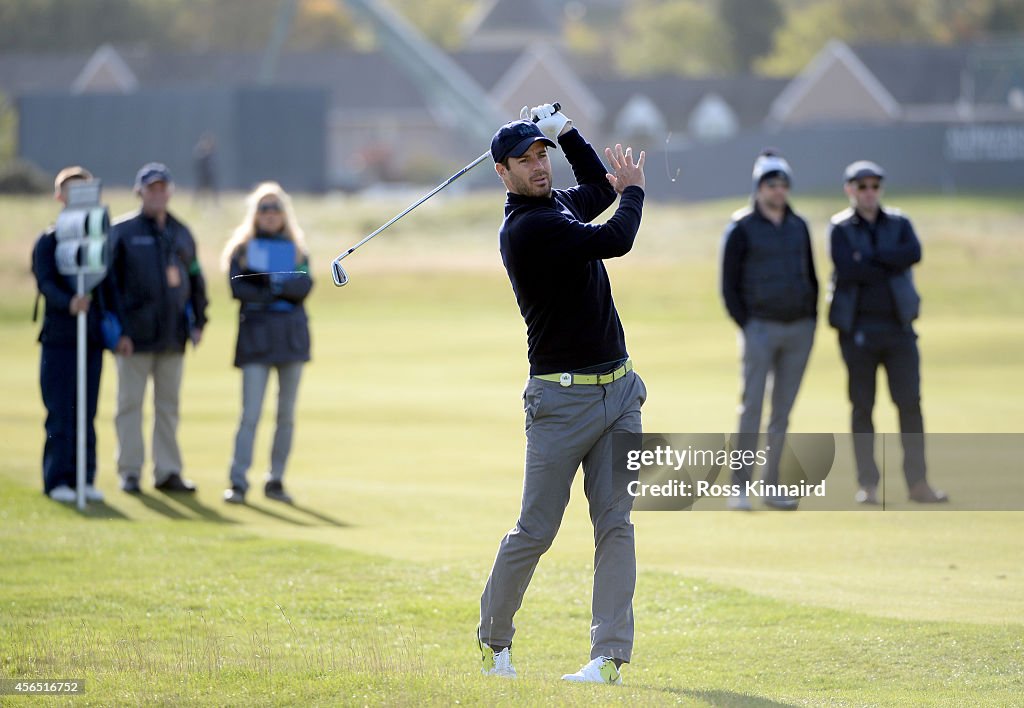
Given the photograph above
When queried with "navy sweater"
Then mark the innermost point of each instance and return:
(553, 258)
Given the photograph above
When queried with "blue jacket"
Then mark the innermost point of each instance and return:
(60, 327)
(272, 323)
(158, 315)
(872, 278)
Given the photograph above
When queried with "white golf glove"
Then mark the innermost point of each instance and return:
(551, 122)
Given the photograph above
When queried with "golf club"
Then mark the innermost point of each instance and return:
(341, 277)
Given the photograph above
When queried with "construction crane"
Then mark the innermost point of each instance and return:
(450, 92)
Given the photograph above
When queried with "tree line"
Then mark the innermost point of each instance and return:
(629, 37)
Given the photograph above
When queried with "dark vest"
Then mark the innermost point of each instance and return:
(776, 279)
(842, 312)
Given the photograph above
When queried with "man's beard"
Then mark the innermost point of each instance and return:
(527, 188)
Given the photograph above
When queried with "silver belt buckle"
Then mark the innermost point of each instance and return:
(565, 380)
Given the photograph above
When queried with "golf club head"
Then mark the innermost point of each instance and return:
(340, 276)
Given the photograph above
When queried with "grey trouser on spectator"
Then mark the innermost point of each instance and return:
(133, 373)
(774, 355)
(566, 426)
(254, 385)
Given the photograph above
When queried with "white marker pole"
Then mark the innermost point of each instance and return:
(81, 402)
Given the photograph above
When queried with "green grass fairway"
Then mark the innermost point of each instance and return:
(407, 470)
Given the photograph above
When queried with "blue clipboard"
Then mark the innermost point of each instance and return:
(271, 255)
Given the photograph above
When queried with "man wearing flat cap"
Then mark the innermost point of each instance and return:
(164, 297)
(582, 387)
(873, 305)
(770, 290)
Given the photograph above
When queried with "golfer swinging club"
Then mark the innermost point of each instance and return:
(582, 387)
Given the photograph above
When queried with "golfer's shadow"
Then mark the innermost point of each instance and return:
(158, 505)
(320, 516)
(189, 501)
(101, 510)
(729, 699)
(317, 515)
(275, 515)
(206, 513)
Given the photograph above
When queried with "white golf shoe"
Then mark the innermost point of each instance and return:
(92, 494)
(496, 663)
(64, 494)
(599, 670)
(740, 502)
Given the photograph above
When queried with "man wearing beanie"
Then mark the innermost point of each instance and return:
(771, 293)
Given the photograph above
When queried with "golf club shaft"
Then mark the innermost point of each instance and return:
(340, 277)
(436, 189)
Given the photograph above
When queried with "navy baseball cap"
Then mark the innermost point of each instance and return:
(862, 169)
(515, 138)
(152, 172)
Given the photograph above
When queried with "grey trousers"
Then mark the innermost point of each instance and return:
(567, 426)
(774, 356)
(254, 386)
(133, 373)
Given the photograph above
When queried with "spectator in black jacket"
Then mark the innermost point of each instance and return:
(156, 268)
(58, 364)
(874, 304)
(771, 292)
(268, 266)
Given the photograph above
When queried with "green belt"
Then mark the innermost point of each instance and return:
(568, 379)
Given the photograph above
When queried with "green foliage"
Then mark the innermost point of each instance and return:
(1005, 17)
(321, 24)
(248, 24)
(76, 25)
(82, 25)
(808, 26)
(670, 36)
(853, 22)
(585, 40)
(776, 37)
(222, 24)
(806, 32)
(641, 38)
(440, 20)
(8, 129)
(20, 177)
(803, 36)
(751, 27)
